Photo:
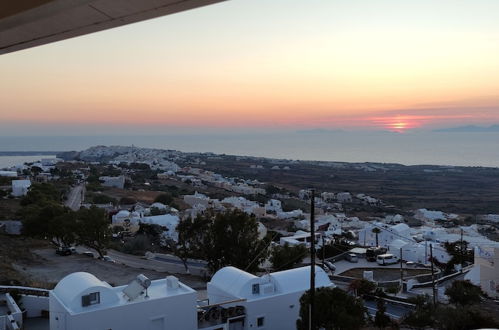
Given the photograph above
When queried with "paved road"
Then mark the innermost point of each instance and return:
(160, 264)
(395, 311)
(173, 260)
(75, 197)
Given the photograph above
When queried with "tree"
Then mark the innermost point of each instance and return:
(223, 239)
(92, 228)
(361, 287)
(460, 254)
(376, 231)
(336, 247)
(462, 318)
(127, 201)
(36, 170)
(287, 256)
(464, 293)
(103, 199)
(158, 211)
(152, 231)
(49, 220)
(40, 193)
(423, 315)
(164, 198)
(334, 309)
(191, 234)
(381, 320)
(62, 228)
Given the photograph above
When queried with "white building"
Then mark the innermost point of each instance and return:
(344, 197)
(273, 205)
(299, 238)
(197, 199)
(113, 181)
(271, 301)
(236, 300)
(485, 271)
(429, 215)
(166, 220)
(80, 301)
(290, 215)
(386, 235)
(328, 197)
(10, 174)
(20, 187)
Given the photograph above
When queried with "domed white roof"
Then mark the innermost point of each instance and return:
(71, 288)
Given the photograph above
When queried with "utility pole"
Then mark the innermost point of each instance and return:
(425, 252)
(462, 250)
(312, 261)
(323, 250)
(433, 277)
(401, 269)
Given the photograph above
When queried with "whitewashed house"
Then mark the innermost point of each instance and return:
(328, 197)
(197, 199)
(289, 215)
(10, 174)
(270, 302)
(273, 205)
(113, 181)
(236, 300)
(80, 301)
(20, 187)
(344, 197)
(165, 220)
(386, 235)
(299, 238)
(485, 271)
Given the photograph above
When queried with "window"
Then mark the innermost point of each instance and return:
(256, 288)
(90, 299)
(260, 322)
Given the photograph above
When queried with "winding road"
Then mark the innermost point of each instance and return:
(75, 197)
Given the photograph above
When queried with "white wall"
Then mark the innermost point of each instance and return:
(280, 312)
(14, 309)
(35, 304)
(178, 312)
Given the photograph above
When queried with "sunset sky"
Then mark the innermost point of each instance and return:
(265, 65)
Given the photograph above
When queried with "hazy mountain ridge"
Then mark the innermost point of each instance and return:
(470, 129)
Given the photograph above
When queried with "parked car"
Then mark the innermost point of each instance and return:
(89, 254)
(329, 265)
(108, 259)
(63, 251)
(387, 259)
(352, 257)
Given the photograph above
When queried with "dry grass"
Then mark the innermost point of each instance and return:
(384, 274)
(14, 250)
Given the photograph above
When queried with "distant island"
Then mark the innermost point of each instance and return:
(29, 153)
(469, 129)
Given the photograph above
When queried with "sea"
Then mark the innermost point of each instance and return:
(417, 148)
(10, 161)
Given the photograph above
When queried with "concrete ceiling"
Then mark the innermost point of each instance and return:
(30, 23)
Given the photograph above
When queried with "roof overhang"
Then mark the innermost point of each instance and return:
(30, 23)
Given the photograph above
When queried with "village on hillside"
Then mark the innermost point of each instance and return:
(159, 209)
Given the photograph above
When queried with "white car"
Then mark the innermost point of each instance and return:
(387, 259)
(108, 259)
(352, 257)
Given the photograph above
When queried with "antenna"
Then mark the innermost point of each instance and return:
(312, 259)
